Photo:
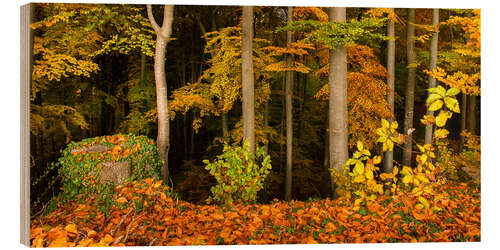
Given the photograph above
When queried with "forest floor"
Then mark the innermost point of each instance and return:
(143, 214)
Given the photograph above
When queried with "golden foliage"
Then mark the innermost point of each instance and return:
(366, 94)
(467, 83)
(219, 86)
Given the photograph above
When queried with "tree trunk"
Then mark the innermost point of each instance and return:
(289, 118)
(471, 115)
(432, 66)
(463, 121)
(225, 129)
(410, 90)
(266, 124)
(337, 81)
(391, 53)
(248, 78)
(162, 38)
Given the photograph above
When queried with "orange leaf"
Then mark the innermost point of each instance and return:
(122, 200)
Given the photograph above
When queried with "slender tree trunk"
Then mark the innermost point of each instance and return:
(225, 129)
(463, 121)
(410, 90)
(162, 38)
(143, 69)
(432, 66)
(391, 53)
(337, 81)
(248, 78)
(266, 124)
(289, 118)
(471, 115)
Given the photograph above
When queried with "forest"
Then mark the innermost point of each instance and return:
(156, 125)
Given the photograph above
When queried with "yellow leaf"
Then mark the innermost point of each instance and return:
(443, 117)
(436, 105)
(428, 119)
(360, 146)
(369, 174)
(423, 201)
(71, 228)
(441, 133)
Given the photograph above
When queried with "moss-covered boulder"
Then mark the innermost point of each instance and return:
(94, 165)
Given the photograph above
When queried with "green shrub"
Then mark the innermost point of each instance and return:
(239, 175)
(79, 169)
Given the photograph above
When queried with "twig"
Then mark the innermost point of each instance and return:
(121, 221)
(117, 240)
(151, 243)
(128, 227)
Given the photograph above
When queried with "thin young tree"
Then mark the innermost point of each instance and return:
(337, 105)
(410, 89)
(432, 66)
(248, 78)
(162, 38)
(391, 52)
(289, 106)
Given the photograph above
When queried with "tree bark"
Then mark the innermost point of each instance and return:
(162, 38)
(225, 129)
(432, 66)
(410, 90)
(337, 111)
(289, 118)
(248, 78)
(471, 115)
(391, 53)
(463, 121)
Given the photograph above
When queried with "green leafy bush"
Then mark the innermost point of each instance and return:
(80, 167)
(239, 175)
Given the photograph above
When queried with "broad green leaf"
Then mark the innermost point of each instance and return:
(436, 105)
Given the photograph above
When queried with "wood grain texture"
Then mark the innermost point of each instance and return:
(26, 63)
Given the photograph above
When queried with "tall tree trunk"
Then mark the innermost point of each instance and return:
(391, 53)
(266, 124)
(248, 78)
(337, 111)
(289, 118)
(463, 121)
(224, 124)
(143, 69)
(410, 90)
(432, 66)
(471, 115)
(162, 38)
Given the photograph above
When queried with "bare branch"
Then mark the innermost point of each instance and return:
(152, 19)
